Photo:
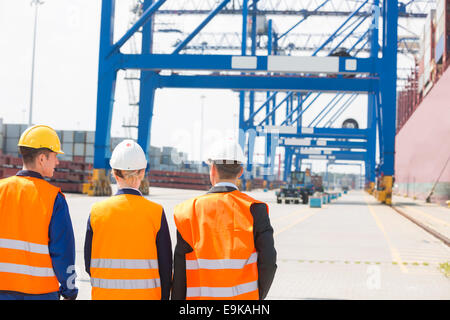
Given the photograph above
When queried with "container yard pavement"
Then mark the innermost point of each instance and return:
(432, 216)
(352, 248)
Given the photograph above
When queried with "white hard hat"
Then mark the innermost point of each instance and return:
(228, 151)
(128, 155)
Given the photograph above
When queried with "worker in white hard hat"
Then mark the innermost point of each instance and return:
(128, 251)
(37, 244)
(225, 248)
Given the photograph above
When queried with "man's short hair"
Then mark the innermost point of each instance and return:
(228, 171)
(29, 155)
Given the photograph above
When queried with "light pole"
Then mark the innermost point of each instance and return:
(30, 114)
(235, 129)
(202, 97)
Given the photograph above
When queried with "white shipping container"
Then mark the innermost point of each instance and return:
(67, 148)
(440, 27)
(155, 151)
(65, 157)
(440, 38)
(428, 37)
(420, 83)
(89, 150)
(183, 156)
(79, 137)
(422, 44)
(155, 160)
(440, 7)
(431, 16)
(78, 149)
(90, 136)
(23, 127)
(89, 159)
(67, 136)
(427, 31)
(168, 150)
(426, 74)
(11, 145)
(12, 130)
(427, 58)
(261, 25)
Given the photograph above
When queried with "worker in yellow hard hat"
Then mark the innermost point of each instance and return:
(37, 246)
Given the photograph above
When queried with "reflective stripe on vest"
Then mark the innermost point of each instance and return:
(28, 270)
(26, 209)
(228, 222)
(124, 263)
(125, 284)
(222, 292)
(213, 264)
(124, 258)
(24, 245)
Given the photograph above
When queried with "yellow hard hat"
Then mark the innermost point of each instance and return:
(40, 136)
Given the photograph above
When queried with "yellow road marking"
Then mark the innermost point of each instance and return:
(394, 252)
(445, 223)
(294, 223)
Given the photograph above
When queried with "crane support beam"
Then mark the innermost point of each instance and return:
(348, 156)
(320, 13)
(307, 143)
(269, 83)
(279, 64)
(291, 132)
(145, 18)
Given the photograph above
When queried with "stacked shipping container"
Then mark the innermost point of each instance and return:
(422, 147)
(168, 167)
(431, 63)
(428, 46)
(11, 134)
(78, 146)
(423, 127)
(442, 31)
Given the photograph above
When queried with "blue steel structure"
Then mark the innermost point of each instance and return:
(347, 76)
(330, 163)
(292, 7)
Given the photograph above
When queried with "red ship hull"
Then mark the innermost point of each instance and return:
(423, 147)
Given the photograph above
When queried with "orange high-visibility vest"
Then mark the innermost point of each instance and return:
(26, 207)
(124, 260)
(223, 263)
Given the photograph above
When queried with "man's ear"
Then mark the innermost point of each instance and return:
(38, 162)
(214, 171)
(240, 173)
(114, 175)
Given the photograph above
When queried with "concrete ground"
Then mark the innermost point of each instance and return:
(352, 248)
(433, 216)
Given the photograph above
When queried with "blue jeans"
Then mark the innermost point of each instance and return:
(12, 295)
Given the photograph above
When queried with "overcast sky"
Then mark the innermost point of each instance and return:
(66, 76)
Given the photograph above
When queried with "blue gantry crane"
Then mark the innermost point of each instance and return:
(292, 82)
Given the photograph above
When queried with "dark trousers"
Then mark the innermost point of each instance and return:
(12, 295)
